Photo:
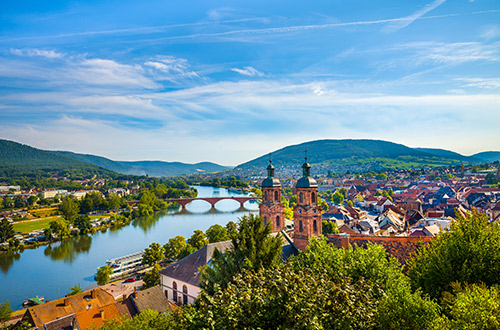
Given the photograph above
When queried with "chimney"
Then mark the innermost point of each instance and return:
(93, 294)
(135, 292)
(102, 314)
(66, 302)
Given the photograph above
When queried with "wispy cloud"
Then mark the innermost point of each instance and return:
(171, 68)
(485, 83)
(405, 21)
(248, 71)
(36, 52)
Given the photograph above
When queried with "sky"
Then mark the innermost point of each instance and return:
(228, 81)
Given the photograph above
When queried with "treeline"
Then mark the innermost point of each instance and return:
(452, 283)
(226, 182)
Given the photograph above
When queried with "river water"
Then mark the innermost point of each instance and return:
(51, 270)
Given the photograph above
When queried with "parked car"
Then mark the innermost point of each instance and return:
(130, 279)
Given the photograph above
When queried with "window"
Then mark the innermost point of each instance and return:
(174, 291)
(301, 198)
(301, 229)
(265, 196)
(276, 196)
(265, 221)
(184, 295)
(315, 226)
(313, 198)
(278, 221)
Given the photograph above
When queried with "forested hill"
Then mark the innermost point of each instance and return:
(351, 153)
(18, 158)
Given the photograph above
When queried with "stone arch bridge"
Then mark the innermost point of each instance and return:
(211, 200)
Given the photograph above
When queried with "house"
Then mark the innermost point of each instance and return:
(81, 311)
(180, 281)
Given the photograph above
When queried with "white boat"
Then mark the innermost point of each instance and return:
(126, 264)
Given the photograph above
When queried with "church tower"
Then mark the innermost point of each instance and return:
(271, 209)
(307, 212)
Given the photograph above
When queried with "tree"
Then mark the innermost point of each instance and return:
(198, 239)
(153, 254)
(82, 222)
(86, 205)
(186, 250)
(5, 312)
(468, 253)
(32, 200)
(473, 307)
(174, 246)
(152, 278)
(74, 290)
(329, 227)
(114, 201)
(381, 177)
(69, 208)
(232, 228)
(59, 227)
(47, 232)
(6, 230)
(253, 249)
(491, 178)
(338, 197)
(103, 275)
(217, 233)
(19, 202)
(7, 202)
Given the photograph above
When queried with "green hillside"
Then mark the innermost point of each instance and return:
(450, 155)
(350, 152)
(488, 156)
(18, 158)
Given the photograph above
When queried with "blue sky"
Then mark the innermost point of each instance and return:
(227, 81)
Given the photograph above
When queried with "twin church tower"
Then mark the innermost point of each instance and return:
(307, 212)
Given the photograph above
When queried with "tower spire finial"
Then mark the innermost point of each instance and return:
(305, 153)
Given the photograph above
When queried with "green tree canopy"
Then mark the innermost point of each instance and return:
(152, 278)
(6, 230)
(69, 208)
(74, 290)
(59, 227)
(174, 246)
(468, 253)
(198, 239)
(82, 222)
(5, 312)
(217, 233)
(253, 249)
(103, 275)
(153, 254)
(329, 227)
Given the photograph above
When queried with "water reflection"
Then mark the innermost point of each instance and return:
(7, 260)
(68, 250)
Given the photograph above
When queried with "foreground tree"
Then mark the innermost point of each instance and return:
(468, 253)
(153, 254)
(5, 312)
(217, 233)
(74, 290)
(152, 278)
(6, 230)
(69, 208)
(198, 239)
(253, 249)
(174, 247)
(59, 227)
(103, 275)
(82, 222)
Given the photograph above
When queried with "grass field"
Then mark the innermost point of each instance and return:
(27, 226)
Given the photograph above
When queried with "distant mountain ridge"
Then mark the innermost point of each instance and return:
(349, 152)
(18, 156)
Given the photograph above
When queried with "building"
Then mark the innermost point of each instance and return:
(271, 209)
(307, 217)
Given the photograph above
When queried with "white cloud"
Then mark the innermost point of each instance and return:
(36, 52)
(489, 32)
(248, 71)
(172, 68)
(405, 21)
(492, 83)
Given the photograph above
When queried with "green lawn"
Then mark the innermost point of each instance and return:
(27, 226)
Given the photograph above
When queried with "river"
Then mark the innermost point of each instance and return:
(51, 270)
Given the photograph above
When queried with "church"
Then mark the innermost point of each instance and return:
(306, 214)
